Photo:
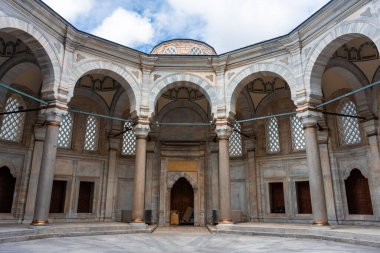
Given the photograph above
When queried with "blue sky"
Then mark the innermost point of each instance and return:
(224, 24)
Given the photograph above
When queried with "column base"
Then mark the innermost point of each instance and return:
(226, 222)
(40, 223)
(320, 225)
(137, 220)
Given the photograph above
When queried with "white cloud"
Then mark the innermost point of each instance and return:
(126, 27)
(231, 24)
(224, 24)
(71, 9)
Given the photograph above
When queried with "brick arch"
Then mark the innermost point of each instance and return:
(326, 46)
(115, 71)
(170, 81)
(236, 85)
(40, 46)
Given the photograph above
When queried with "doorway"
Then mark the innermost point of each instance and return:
(182, 202)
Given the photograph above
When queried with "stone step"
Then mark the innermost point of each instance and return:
(367, 239)
(49, 232)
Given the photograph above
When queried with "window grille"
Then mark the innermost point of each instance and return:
(196, 51)
(13, 124)
(272, 136)
(298, 134)
(349, 131)
(129, 141)
(91, 138)
(170, 50)
(65, 131)
(235, 143)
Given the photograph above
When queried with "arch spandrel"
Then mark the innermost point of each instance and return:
(236, 85)
(174, 176)
(172, 80)
(327, 45)
(38, 43)
(116, 72)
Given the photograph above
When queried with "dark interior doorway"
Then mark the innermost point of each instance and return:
(303, 197)
(7, 187)
(358, 194)
(182, 200)
(58, 195)
(86, 197)
(276, 194)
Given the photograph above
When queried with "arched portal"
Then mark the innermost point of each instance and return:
(182, 200)
(7, 187)
(358, 194)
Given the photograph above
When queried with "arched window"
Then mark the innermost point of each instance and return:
(196, 51)
(170, 50)
(272, 136)
(13, 124)
(7, 187)
(298, 134)
(129, 140)
(358, 194)
(91, 138)
(348, 127)
(65, 131)
(235, 143)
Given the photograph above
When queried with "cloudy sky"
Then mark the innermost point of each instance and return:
(224, 24)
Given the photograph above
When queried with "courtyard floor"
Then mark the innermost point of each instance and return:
(180, 239)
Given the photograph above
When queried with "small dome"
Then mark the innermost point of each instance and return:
(184, 47)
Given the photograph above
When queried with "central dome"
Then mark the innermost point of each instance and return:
(183, 47)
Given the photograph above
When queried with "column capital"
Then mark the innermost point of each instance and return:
(308, 117)
(141, 130)
(223, 131)
(54, 111)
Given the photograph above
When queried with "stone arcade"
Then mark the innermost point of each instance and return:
(60, 165)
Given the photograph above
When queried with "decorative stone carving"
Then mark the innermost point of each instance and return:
(136, 74)
(285, 60)
(80, 57)
(174, 176)
(210, 77)
(367, 13)
(156, 76)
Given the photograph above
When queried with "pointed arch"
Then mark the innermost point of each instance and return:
(115, 71)
(327, 45)
(236, 85)
(40, 45)
(188, 80)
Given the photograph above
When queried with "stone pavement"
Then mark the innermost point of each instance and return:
(363, 235)
(173, 240)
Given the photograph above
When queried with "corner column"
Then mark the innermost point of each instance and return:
(309, 120)
(370, 127)
(223, 131)
(141, 131)
(54, 114)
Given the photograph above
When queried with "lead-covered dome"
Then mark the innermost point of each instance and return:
(184, 47)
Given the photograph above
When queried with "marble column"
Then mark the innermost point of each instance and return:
(317, 190)
(54, 116)
(370, 128)
(141, 131)
(111, 178)
(39, 135)
(225, 213)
